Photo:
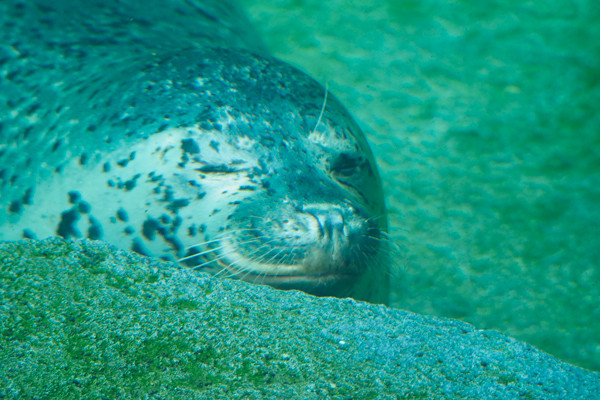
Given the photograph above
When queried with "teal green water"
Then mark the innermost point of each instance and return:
(484, 118)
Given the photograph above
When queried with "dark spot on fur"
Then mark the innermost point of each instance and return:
(110, 183)
(206, 125)
(130, 184)
(74, 197)
(27, 131)
(56, 145)
(264, 167)
(177, 221)
(222, 168)
(123, 163)
(192, 261)
(15, 207)
(122, 215)
(154, 177)
(84, 207)
(175, 205)
(139, 248)
(190, 146)
(28, 197)
(248, 187)
(33, 108)
(132, 156)
(28, 234)
(175, 243)
(83, 159)
(106, 167)
(95, 229)
(215, 145)
(129, 230)
(67, 226)
(149, 228)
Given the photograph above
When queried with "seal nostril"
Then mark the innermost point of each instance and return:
(319, 222)
(334, 221)
(331, 221)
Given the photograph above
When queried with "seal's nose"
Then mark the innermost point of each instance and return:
(331, 220)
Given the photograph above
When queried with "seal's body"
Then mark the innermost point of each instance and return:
(168, 130)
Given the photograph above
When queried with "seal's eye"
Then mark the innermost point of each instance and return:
(347, 164)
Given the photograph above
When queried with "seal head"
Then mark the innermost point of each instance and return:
(305, 208)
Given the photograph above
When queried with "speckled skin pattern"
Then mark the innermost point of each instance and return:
(167, 129)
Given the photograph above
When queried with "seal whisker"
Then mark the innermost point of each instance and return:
(259, 259)
(202, 243)
(215, 249)
(238, 266)
(233, 263)
(276, 255)
(247, 271)
(322, 108)
(219, 237)
(385, 243)
(289, 258)
(224, 269)
(220, 257)
(376, 217)
(268, 262)
(200, 254)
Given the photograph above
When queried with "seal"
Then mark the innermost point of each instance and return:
(166, 128)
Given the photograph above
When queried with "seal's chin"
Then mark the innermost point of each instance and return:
(316, 273)
(307, 251)
(321, 249)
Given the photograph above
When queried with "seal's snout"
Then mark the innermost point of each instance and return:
(343, 231)
(330, 220)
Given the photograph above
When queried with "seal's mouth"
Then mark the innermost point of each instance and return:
(318, 268)
(315, 276)
(322, 250)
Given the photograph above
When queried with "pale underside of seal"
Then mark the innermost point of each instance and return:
(166, 128)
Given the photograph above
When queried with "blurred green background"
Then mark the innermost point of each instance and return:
(485, 120)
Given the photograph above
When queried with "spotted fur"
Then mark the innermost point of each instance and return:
(187, 141)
